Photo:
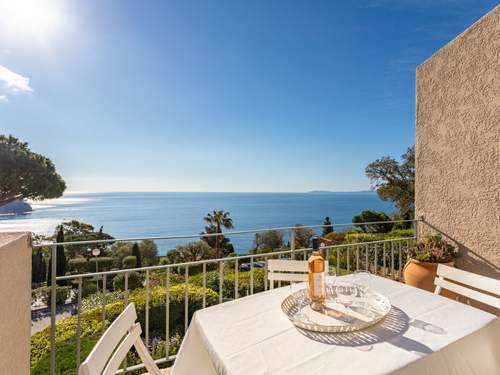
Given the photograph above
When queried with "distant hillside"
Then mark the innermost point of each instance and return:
(15, 208)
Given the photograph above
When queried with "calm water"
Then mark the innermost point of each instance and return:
(161, 214)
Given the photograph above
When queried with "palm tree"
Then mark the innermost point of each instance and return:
(219, 219)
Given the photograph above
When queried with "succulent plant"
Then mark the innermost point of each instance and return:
(435, 250)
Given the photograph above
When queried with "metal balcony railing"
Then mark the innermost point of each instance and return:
(384, 257)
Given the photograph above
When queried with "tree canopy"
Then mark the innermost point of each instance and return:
(216, 220)
(368, 216)
(26, 174)
(268, 241)
(395, 181)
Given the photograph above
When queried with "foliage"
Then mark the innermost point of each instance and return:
(435, 250)
(395, 181)
(334, 238)
(136, 253)
(212, 282)
(103, 263)
(66, 355)
(26, 174)
(149, 253)
(268, 241)
(217, 220)
(62, 294)
(95, 300)
(60, 260)
(372, 216)
(38, 268)
(91, 319)
(79, 264)
(192, 252)
(119, 251)
(129, 261)
(134, 281)
(303, 236)
(75, 230)
(89, 287)
(328, 228)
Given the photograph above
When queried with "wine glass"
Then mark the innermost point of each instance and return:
(362, 280)
(331, 278)
(346, 293)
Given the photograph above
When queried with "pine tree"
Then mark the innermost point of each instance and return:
(60, 259)
(328, 228)
(137, 254)
(37, 268)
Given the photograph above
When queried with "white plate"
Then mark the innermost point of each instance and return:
(363, 313)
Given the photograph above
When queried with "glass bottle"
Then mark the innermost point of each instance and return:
(316, 264)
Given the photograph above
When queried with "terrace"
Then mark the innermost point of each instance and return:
(456, 196)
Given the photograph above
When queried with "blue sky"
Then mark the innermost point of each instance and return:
(218, 95)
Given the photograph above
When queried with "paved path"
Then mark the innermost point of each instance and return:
(41, 318)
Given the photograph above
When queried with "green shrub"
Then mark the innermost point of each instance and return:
(95, 300)
(212, 282)
(91, 319)
(103, 263)
(129, 261)
(62, 294)
(134, 281)
(337, 238)
(80, 265)
(89, 287)
(373, 216)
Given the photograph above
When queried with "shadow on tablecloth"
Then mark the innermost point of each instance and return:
(391, 329)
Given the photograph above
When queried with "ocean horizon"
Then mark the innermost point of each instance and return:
(157, 214)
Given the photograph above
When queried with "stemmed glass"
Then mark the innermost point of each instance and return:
(363, 282)
(331, 278)
(346, 292)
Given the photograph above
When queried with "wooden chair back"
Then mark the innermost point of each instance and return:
(477, 287)
(111, 349)
(288, 270)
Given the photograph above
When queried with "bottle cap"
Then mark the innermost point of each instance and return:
(315, 243)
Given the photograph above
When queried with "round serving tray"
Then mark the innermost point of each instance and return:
(334, 317)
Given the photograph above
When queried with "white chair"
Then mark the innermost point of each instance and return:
(288, 270)
(468, 284)
(111, 349)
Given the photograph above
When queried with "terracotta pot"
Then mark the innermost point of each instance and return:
(422, 274)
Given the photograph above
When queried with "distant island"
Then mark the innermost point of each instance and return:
(337, 192)
(15, 208)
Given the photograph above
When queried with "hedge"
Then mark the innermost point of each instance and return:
(212, 281)
(91, 321)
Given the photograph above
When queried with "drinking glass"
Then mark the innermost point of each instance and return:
(362, 280)
(346, 292)
(331, 278)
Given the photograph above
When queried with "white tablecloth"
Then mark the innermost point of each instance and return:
(253, 336)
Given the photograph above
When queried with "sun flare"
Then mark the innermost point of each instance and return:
(38, 19)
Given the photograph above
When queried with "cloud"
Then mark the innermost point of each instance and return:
(13, 81)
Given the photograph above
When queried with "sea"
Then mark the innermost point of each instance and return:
(151, 214)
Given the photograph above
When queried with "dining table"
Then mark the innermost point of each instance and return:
(252, 336)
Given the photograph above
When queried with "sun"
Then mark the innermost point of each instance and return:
(37, 19)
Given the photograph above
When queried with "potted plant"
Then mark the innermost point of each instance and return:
(421, 268)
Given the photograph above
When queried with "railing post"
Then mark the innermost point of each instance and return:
(292, 243)
(221, 281)
(78, 322)
(186, 301)
(53, 311)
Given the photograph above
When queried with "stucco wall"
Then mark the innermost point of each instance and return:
(15, 309)
(458, 144)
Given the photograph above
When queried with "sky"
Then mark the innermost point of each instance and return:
(257, 96)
